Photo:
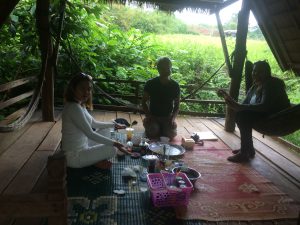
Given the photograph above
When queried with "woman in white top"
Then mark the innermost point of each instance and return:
(79, 128)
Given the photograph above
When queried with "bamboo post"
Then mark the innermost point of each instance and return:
(238, 63)
(43, 27)
(59, 31)
(224, 45)
(136, 92)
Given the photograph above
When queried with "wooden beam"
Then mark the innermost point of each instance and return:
(43, 27)
(6, 7)
(15, 99)
(60, 29)
(16, 83)
(128, 109)
(13, 117)
(269, 29)
(224, 45)
(238, 63)
(225, 4)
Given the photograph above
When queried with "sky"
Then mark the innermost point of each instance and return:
(201, 18)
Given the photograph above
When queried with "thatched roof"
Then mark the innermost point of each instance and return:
(178, 5)
(279, 21)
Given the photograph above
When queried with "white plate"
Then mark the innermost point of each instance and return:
(171, 149)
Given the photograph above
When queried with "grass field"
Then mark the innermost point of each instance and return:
(208, 50)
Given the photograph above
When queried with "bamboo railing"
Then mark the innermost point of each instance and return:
(135, 93)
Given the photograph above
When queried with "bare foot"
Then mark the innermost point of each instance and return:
(104, 164)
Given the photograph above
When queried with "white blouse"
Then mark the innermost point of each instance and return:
(77, 128)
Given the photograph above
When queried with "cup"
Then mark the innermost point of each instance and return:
(149, 161)
(129, 133)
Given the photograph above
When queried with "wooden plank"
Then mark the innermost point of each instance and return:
(276, 145)
(277, 7)
(12, 117)
(26, 179)
(7, 139)
(12, 160)
(293, 45)
(98, 115)
(53, 138)
(16, 83)
(30, 221)
(34, 205)
(284, 165)
(182, 126)
(289, 33)
(279, 147)
(261, 164)
(109, 116)
(197, 124)
(15, 99)
(229, 139)
(6, 221)
(295, 57)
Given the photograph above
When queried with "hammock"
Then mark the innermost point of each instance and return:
(279, 124)
(282, 123)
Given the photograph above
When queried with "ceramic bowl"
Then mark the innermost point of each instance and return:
(191, 173)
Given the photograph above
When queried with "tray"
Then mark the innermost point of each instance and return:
(171, 149)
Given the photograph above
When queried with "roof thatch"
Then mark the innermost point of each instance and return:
(280, 23)
(178, 5)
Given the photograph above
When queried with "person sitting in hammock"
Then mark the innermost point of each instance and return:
(163, 94)
(82, 143)
(266, 97)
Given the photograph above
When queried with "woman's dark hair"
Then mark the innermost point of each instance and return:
(69, 95)
(264, 67)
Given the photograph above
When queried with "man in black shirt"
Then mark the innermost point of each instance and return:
(161, 102)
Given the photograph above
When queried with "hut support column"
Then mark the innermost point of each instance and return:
(224, 45)
(42, 20)
(238, 62)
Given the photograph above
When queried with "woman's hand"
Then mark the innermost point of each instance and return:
(121, 147)
(230, 102)
(119, 126)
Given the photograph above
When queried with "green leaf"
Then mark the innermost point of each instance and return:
(14, 18)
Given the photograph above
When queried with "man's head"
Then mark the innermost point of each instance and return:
(261, 71)
(164, 66)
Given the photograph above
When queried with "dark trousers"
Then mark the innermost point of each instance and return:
(156, 127)
(245, 121)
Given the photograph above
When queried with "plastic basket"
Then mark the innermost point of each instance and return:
(164, 191)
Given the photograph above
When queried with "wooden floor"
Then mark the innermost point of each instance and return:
(274, 159)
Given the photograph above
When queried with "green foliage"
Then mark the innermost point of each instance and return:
(19, 51)
(293, 138)
(153, 21)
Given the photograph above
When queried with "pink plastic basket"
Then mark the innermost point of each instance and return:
(165, 191)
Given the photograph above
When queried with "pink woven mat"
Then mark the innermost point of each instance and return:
(231, 191)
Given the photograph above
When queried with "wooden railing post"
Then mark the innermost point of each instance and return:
(43, 27)
(136, 92)
(57, 193)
